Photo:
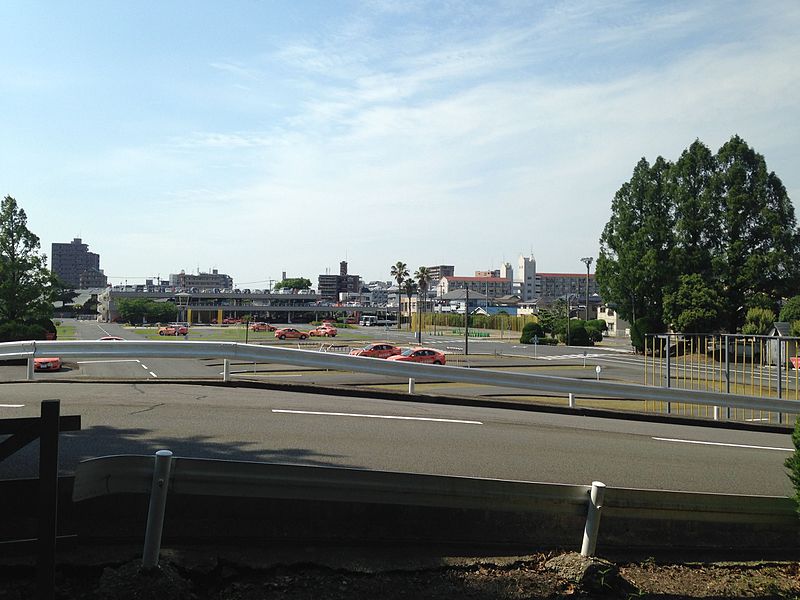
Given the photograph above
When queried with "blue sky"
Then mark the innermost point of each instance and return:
(262, 137)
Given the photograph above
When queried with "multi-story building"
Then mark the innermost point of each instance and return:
(212, 280)
(492, 287)
(330, 286)
(69, 260)
(439, 271)
(525, 281)
(555, 285)
(92, 278)
(494, 273)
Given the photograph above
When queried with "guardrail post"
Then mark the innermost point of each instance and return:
(155, 512)
(593, 518)
(572, 400)
(29, 375)
(411, 385)
(226, 370)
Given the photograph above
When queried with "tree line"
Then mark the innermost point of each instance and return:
(696, 243)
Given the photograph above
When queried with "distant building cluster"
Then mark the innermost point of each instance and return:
(513, 290)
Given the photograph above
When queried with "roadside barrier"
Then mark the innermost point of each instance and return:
(767, 520)
(335, 361)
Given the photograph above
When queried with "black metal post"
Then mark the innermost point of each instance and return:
(48, 498)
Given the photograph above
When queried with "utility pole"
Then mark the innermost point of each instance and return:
(588, 261)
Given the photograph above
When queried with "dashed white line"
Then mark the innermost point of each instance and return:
(145, 367)
(11, 405)
(115, 360)
(723, 444)
(338, 414)
(153, 374)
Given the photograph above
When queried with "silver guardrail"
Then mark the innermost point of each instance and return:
(230, 351)
(134, 474)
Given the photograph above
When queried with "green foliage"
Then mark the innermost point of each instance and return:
(794, 328)
(139, 310)
(12, 331)
(595, 335)
(790, 311)
(529, 331)
(578, 335)
(758, 321)
(295, 283)
(694, 307)
(793, 463)
(641, 328)
(598, 324)
(26, 285)
(722, 217)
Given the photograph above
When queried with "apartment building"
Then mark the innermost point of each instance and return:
(70, 260)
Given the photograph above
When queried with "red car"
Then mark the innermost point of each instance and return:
(47, 364)
(421, 355)
(173, 330)
(377, 350)
(110, 338)
(290, 332)
(324, 331)
(262, 327)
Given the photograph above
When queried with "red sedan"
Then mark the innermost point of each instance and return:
(421, 355)
(377, 350)
(323, 331)
(290, 332)
(47, 364)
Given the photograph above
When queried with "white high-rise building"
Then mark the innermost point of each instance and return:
(525, 280)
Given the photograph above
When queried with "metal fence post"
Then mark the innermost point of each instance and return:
(593, 518)
(572, 400)
(226, 370)
(48, 497)
(29, 374)
(411, 385)
(155, 512)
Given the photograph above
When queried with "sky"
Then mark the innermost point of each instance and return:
(262, 137)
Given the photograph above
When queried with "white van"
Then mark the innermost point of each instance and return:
(368, 320)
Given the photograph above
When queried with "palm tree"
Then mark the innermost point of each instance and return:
(409, 287)
(423, 277)
(399, 272)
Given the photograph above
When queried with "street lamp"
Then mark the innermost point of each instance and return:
(588, 261)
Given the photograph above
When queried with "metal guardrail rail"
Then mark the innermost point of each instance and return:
(311, 358)
(210, 477)
(133, 474)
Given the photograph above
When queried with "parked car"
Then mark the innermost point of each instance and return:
(323, 331)
(173, 330)
(110, 338)
(421, 355)
(262, 327)
(377, 350)
(52, 363)
(290, 332)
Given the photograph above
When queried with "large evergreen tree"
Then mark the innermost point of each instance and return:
(634, 267)
(722, 217)
(26, 284)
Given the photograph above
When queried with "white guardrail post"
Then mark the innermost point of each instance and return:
(593, 518)
(572, 400)
(155, 512)
(226, 370)
(411, 385)
(30, 369)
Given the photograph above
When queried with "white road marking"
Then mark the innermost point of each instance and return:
(722, 444)
(338, 414)
(103, 330)
(153, 374)
(264, 374)
(114, 360)
(11, 405)
(145, 367)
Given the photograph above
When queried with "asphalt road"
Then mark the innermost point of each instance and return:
(260, 425)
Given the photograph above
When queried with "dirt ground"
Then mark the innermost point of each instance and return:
(506, 578)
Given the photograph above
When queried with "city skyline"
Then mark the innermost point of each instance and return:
(261, 138)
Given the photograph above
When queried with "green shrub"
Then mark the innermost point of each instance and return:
(793, 463)
(578, 336)
(595, 335)
(20, 332)
(529, 331)
(640, 329)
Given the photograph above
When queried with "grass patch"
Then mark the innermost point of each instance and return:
(66, 332)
